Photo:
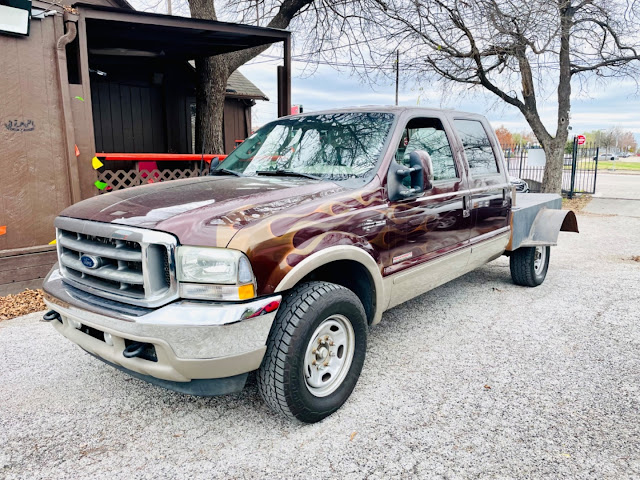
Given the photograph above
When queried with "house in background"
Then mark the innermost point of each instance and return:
(58, 109)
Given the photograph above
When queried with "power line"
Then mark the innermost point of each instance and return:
(303, 59)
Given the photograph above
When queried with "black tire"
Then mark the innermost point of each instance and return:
(281, 377)
(522, 264)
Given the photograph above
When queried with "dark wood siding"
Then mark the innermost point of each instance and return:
(127, 118)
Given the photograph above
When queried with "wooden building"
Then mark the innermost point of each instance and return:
(58, 109)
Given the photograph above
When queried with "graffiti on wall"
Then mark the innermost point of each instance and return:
(24, 126)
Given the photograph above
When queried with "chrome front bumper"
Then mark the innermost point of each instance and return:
(192, 339)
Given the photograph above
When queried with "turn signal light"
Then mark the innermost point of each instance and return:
(246, 292)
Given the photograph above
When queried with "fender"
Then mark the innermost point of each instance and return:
(546, 227)
(332, 254)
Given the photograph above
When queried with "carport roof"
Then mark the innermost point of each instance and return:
(117, 31)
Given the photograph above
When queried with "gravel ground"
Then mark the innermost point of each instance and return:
(478, 378)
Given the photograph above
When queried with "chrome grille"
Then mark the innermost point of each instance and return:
(127, 264)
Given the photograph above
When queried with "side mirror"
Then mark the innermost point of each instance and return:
(421, 172)
(215, 161)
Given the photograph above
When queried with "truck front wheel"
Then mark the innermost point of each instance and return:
(529, 265)
(315, 352)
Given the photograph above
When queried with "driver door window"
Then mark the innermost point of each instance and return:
(429, 135)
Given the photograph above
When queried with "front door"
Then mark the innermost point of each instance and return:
(435, 226)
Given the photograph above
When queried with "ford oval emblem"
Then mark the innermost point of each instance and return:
(89, 261)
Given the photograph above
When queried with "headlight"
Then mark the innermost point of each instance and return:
(214, 274)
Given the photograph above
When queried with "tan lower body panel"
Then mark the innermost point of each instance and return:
(405, 285)
(487, 250)
(422, 278)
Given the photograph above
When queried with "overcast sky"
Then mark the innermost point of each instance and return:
(615, 103)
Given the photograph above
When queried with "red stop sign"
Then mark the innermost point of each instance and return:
(581, 139)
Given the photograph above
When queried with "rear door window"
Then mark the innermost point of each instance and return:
(477, 147)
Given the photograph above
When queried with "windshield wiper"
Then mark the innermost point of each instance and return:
(287, 173)
(225, 171)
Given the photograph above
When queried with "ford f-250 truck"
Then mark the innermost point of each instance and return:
(282, 258)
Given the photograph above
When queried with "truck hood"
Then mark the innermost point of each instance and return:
(204, 211)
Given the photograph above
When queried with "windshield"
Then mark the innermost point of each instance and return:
(333, 146)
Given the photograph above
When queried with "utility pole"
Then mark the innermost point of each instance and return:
(169, 9)
(397, 73)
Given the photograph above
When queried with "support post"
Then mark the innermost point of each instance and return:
(280, 88)
(87, 175)
(574, 161)
(69, 133)
(595, 173)
(286, 79)
(521, 160)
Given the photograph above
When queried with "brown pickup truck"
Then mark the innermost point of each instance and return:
(296, 244)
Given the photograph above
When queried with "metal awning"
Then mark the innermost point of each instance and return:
(114, 32)
(117, 31)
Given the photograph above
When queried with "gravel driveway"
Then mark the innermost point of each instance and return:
(478, 378)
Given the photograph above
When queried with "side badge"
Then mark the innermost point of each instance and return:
(402, 258)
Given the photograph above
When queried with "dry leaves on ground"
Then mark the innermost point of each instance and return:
(576, 203)
(22, 303)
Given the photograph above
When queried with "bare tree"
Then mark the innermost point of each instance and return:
(213, 72)
(515, 49)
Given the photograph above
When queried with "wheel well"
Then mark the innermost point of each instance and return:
(352, 275)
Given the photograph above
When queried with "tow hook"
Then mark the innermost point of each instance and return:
(134, 350)
(51, 315)
(146, 351)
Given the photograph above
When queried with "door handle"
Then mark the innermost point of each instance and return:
(466, 206)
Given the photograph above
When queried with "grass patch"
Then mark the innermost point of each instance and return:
(576, 203)
(606, 165)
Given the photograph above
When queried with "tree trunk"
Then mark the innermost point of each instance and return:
(552, 180)
(213, 74)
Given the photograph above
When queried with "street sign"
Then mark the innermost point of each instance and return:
(581, 139)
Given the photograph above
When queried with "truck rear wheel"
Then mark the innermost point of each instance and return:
(529, 265)
(315, 352)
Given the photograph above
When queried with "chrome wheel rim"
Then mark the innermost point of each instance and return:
(329, 354)
(539, 259)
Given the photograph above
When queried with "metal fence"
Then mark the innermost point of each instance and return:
(579, 174)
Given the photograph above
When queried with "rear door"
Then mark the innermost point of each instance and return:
(489, 189)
